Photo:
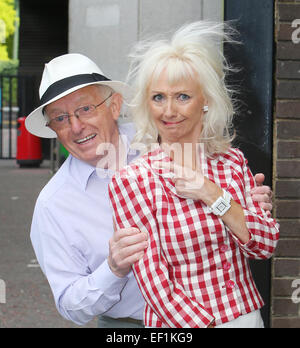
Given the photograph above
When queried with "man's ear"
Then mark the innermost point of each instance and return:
(116, 105)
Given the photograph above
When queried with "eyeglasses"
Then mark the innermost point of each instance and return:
(63, 121)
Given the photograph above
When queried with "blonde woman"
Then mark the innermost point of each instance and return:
(190, 191)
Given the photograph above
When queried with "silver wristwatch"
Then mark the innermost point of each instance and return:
(222, 204)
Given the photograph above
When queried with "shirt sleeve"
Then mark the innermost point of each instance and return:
(264, 230)
(79, 294)
(132, 207)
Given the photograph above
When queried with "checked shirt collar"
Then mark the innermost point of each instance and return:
(158, 156)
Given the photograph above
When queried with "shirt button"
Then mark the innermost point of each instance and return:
(230, 284)
(227, 266)
(223, 248)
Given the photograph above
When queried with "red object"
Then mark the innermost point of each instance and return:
(186, 280)
(29, 147)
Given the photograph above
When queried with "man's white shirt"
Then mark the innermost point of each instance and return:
(70, 232)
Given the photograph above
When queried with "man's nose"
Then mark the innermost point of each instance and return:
(76, 124)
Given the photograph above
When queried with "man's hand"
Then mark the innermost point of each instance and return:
(125, 248)
(262, 194)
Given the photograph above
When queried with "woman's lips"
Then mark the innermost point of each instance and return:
(172, 123)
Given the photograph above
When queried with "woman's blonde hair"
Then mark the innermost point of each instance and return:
(194, 51)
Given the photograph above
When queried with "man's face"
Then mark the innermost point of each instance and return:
(81, 137)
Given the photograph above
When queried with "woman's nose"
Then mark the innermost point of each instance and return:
(170, 108)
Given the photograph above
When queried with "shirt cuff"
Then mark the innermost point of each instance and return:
(253, 223)
(103, 279)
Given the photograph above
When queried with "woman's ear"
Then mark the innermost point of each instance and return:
(116, 105)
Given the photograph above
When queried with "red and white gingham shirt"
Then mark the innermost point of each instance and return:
(195, 271)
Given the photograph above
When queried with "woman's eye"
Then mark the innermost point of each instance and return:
(183, 97)
(157, 98)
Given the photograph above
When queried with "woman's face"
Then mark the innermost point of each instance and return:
(177, 109)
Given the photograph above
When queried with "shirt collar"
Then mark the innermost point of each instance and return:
(81, 171)
(158, 155)
(154, 158)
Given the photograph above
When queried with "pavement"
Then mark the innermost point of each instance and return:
(25, 297)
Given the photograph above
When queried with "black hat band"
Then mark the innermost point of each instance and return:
(67, 83)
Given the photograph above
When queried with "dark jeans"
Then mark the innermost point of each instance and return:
(106, 322)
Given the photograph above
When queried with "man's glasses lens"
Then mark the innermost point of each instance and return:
(61, 121)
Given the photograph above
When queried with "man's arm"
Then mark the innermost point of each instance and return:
(79, 294)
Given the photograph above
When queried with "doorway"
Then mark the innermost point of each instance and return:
(254, 19)
(43, 35)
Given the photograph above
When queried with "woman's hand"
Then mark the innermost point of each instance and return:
(188, 182)
(189, 179)
(191, 183)
(187, 173)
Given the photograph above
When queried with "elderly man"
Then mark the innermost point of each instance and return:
(87, 264)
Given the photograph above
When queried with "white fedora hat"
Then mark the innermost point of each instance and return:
(62, 76)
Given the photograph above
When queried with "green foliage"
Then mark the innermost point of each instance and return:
(9, 91)
(9, 67)
(8, 22)
(9, 84)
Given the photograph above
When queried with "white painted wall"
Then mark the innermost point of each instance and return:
(104, 30)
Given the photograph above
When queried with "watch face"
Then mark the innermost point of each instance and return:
(220, 207)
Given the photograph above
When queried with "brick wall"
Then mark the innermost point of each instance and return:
(286, 263)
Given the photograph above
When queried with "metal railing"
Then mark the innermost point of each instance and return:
(16, 100)
(9, 111)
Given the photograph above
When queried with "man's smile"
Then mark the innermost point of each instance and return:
(86, 139)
